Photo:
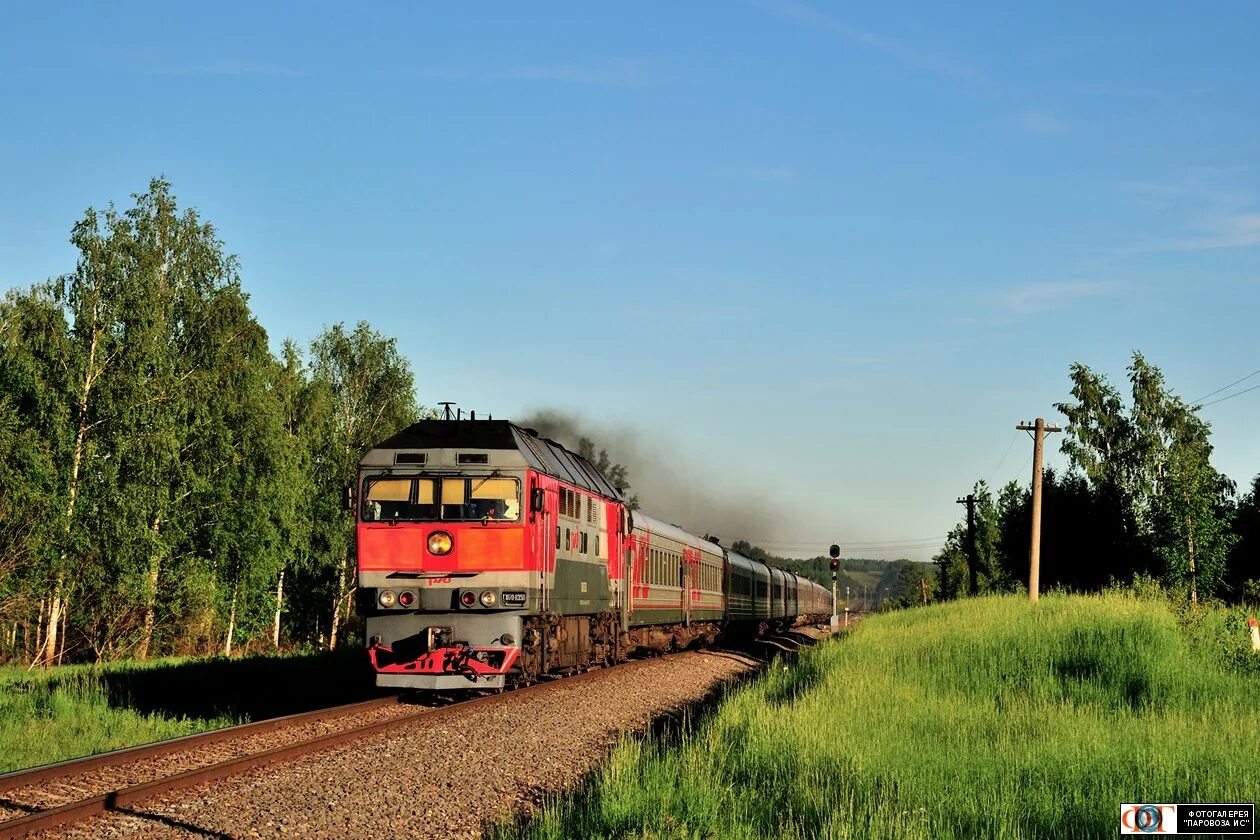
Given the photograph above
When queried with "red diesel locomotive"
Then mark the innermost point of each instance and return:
(488, 556)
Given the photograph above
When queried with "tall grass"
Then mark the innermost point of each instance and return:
(984, 718)
(77, 710)
(66, 714)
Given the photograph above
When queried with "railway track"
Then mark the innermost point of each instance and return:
(91, 785)
(58, 795)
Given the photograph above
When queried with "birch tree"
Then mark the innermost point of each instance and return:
(1154, 457)
(368, 393)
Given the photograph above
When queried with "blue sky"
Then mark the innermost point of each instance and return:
(824, 256)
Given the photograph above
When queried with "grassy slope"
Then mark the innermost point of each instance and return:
(988, 718)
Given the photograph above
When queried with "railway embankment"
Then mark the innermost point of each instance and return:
(990, 717)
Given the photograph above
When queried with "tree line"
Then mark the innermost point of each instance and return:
(169, 485)
(1140, 499)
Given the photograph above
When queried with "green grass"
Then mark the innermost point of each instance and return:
(67, 713)
(77, 710)
(983, 718)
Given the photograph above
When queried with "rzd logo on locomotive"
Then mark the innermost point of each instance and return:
(1148, 819)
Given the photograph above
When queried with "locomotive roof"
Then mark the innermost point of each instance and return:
(540, 453)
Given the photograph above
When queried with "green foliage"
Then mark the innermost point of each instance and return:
(1243, 569)
(1142, 497)
(160, 469)
(1154, 458)
(988, 545)
(1049, 715)
(904, 585)
(361, 392)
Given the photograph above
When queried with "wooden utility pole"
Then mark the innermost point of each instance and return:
(1039, 430)
(972, 560)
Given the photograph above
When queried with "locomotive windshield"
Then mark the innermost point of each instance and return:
(459, 498)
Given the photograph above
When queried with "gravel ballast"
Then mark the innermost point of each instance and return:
(446, 778)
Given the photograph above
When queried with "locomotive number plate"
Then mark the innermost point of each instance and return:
(513, 599)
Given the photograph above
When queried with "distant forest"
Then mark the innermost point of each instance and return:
(861, 582)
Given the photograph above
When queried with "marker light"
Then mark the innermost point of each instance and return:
(386, 598)
(488, 598)
(440, 542)
(406, 598)
(468, 599)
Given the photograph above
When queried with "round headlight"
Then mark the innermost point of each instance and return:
(468, 599)
(440, 542)
(488, 598)
(406, 598)
(386, 597)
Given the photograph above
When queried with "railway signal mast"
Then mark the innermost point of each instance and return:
(835, 567)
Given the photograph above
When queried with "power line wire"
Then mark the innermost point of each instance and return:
(1230, 385)
(1231, 396)
(1000, 462)
(850, 544)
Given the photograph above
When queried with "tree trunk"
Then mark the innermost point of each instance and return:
(336, 616)
(65, 622)
(48, 649)
(38, 652)
(1194, 581)
(150, 594)
(227, 647)
(275, 627)
(72, 492)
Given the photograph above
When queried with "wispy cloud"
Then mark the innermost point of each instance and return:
(228, 67)
(1038, 121)
(1238, 230)
(1207, 205)
(620, 73)
(1031, 298)
(903, 53)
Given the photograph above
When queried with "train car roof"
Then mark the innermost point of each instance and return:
(664, 529)
(544, 455)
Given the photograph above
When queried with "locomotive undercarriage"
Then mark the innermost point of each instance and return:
(578, 643)
(454, 651)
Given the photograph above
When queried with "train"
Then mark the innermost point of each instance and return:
(489, 556)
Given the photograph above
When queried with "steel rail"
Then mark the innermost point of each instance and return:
(115, 758)
(119, 800)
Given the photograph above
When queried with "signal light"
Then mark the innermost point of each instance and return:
(835, 565)
(440, 543)
(468, 598)
(406, 598)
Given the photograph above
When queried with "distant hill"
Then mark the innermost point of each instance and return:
(870, 583)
